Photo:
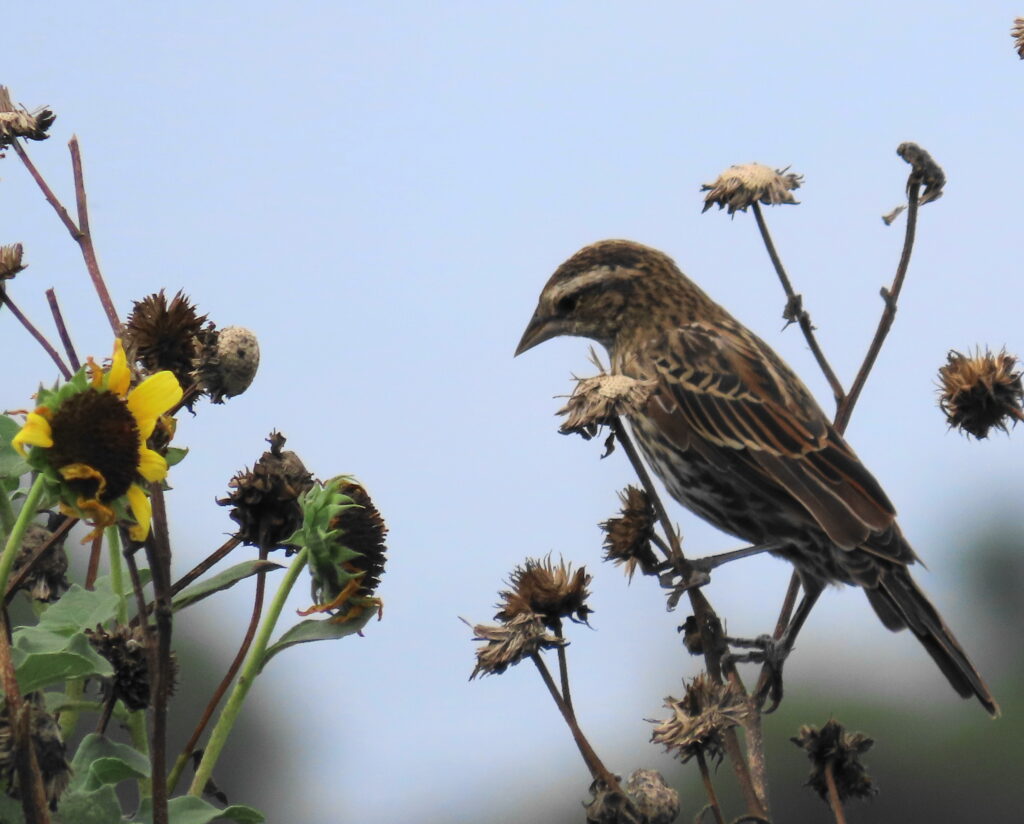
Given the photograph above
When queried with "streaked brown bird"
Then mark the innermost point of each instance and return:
(738, 439)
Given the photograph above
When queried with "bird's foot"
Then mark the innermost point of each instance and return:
(771, 653)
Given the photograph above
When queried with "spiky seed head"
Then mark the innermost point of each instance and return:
(17, 121)
(553, 592)
(51, 754)
(980, 391)
(627, 538)
(832, 748)
(165, 335)
(509, 643)
(744, 185)
(48, 579)
(1017, 32)
(699, 718)
(10, 261)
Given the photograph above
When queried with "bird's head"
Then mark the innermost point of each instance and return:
(606, 289)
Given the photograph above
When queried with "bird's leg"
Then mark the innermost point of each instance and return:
(772, 652)
(681, 574)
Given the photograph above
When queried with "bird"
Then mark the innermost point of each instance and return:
(738, 439)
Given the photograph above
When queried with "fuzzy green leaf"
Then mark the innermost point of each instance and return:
(97, 807)
(187, 809)
(79, 609)
(224, 580)
(43, 658)
(100, 761)
(316, 630)
(12, 465)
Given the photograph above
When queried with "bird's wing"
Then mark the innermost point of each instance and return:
(730, 397)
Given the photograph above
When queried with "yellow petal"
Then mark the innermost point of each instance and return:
(152, 465)
(151, 398)
(84, 472)
(120, 376)
(35, 432)
(142, 509)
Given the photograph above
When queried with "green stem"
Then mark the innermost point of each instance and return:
(140, 740)
(117, 574)
(28, 512)
(250, 670)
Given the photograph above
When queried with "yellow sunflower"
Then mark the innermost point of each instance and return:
(89, 437)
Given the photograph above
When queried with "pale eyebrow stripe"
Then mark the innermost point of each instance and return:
(603, 276)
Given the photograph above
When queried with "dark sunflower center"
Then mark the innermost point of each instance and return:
(96, 428)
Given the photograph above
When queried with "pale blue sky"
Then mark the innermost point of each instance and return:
(380, 190)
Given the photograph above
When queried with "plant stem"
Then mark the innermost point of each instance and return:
(17, 533)
(35, 333)
(117, 574)
(709, 788)
(833, 794)
(62, 330)
(251, 668)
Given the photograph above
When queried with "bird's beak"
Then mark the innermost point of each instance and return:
(539, 330)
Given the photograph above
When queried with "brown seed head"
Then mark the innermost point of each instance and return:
(48, 579)
(628, 538)
(10, 261)
(741, 186)
(364, 531)
(162, 335)
(51, 754)
(18, 122)
(520, 637)
(596, 401)
(980, 391)
(541, 588)
(699, 719)
(925, 171)
(832, 748)
(227, 362)
(125, 648)
(265, 499)
(1017, 33)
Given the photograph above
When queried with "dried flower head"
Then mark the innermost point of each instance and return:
(541, 588)
(595, 401)
(18, 122)
(980, 391)
(506, 645)
(344, 534)
(925, 171)
(265, 500)
(47, 580)
(48, 744)
(125, 649)
(1017, 33)
(833, 749)
(699, 719)
(162, 335)
(628, 538)
(10, 261)
(741, 186)
(227, 362)
(657, 802)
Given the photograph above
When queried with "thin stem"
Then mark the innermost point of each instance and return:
(62, 330)
(200, 568)
(795, 305)
(94, 561)
(251, 668)
(833, 794)
(17, 533)
(890, 296)
(117, 574)
(51, 198)
(35, 333)
(229, 676)
(85, 238)
(18, 578)
(137, 720)
(137, 730)
(598, 770)
(563, 668)
(709, 788)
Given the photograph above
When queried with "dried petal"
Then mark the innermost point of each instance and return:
(744, 185)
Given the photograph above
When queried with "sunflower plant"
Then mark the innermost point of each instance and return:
(91, 458)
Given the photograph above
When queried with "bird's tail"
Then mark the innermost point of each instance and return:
(900, 603)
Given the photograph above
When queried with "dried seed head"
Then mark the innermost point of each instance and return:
(699, 719)
(18, 122)
(265, 500)
(162, 335)
(1017, 33)
(741, 186)
(657, 802)
(596, 401)
(364, 531)
(51, 754)
(551, 592)
(692, 639)
(980, 391)
(833, 748)
(10, 261)
(508, 644)
(227, 362)
(628, 539)
(925, 171)
(47, 580)
(125, 649)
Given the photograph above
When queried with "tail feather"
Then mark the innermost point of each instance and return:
(900, 603)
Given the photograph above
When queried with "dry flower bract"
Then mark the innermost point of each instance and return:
(980, 391)
(926, 171)
(51, 754)
(18, 122)
(699, 719)
(265, 500)
(744, 185)
(508, 644)
(48, 579)
(551, 592)
(10, 261)
(161, 335)
(627, 539)
(125, 648)
(833, 748)
(1017, 32)
(595, 401)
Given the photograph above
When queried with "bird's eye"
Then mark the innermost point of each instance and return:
(566, 305)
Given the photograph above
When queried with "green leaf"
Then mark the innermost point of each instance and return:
(98, 807)
(316, 630)
(79, 609)
(43, 658)
(187, 809)
(10, 810)
(12, 465)
(224, 580)
(175, 455)
(100, 761)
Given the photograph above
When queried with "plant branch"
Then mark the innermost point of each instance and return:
(62, 330)
(833, 794)
(35, 333)
(709, 788)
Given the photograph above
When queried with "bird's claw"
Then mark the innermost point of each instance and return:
(680, 576)
(771, 653)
